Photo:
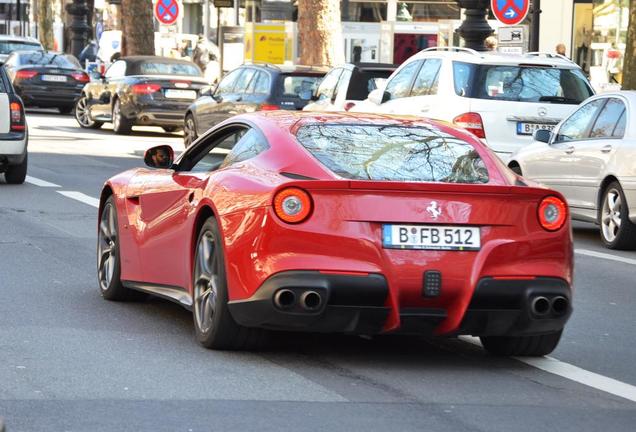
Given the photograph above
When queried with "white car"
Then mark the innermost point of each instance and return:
(13, 133)
(590, 158)
(500, 98)
(9, 44)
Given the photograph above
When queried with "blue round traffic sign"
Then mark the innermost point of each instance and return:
(167, 11)
(510, 12)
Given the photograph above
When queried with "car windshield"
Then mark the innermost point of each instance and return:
(41, 58)
(293, 85)
(521, 83)
(393, 153)
(7, 47)
(157, 68)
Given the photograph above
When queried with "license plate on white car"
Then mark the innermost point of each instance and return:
(529, 128)
(431, 237)
(54, 78)
(181, 94)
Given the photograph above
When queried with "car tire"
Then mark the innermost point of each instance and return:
(214, 326)
(189, 130)
(82, 114)
(108, 257)
(66, 109)
(121, 124)
(16, 174)
(617, 231)
(522, 346)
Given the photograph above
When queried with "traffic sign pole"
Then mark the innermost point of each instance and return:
(536, 25)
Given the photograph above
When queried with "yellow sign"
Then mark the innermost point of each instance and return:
(265, 43)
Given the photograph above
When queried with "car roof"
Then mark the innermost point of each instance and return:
(497, 58)
(288, 68)
(145, 58)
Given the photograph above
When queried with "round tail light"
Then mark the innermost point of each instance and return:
(553, 213)
(292, 205)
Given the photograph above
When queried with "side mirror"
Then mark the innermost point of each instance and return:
(159, 157)
(542, 135)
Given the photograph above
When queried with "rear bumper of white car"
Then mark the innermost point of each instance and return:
(13, 148)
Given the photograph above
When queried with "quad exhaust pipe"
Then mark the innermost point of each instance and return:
(284, 299)
(560, 305)
(310, 300)
(540, 306)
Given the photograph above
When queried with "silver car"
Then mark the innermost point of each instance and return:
(590, 157)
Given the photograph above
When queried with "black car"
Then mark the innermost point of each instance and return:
(140, 90)
(251, 88)
(46, 79)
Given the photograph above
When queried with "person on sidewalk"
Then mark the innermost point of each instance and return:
(560, 49)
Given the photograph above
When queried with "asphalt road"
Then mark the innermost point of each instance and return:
(70, 361)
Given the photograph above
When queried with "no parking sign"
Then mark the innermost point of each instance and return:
(167, 11)
(510, 12)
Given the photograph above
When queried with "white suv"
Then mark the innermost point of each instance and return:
(13, 133)
(500, 98)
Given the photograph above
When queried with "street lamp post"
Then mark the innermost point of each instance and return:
(475, 28)
(78, 26)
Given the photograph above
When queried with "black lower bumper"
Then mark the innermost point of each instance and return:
(49, 98)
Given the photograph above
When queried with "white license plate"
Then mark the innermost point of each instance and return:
(181, 94)
(54, 78)
(529, 128)
(431, 237)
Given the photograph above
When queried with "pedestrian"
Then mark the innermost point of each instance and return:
(491, 43)
(560, 49)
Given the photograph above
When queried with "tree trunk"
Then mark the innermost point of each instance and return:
(629, 63)
(320, 32)
(137, 28)
(45, 24)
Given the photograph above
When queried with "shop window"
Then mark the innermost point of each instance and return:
(363, 11)
(429, 10)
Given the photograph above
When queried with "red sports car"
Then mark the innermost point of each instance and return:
(360, 224)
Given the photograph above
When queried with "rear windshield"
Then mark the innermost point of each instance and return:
(521, 83)
(365, 82)
(42, 58)
(7, 47)
(295, 84)
(156, 68)
(393, 153)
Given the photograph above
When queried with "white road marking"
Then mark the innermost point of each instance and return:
(78, 196)
(573, 373)
(605, 256)
(40, 182)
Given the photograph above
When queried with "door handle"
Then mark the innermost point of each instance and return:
(191, 197)
(569, 150)
(606, 149)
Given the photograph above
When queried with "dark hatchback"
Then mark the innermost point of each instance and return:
(140, 90)
(46, 79)
(252, 88)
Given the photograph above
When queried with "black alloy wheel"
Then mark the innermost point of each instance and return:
(214, 326)
(189, 131)
(121, 124)
(83, 116)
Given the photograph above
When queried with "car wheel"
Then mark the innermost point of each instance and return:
(617, 231)
(108, 260)
(214, 326)
(523, 346)
(83, 116)
(121, 125)
(16, 174)
(66, 109)
(189, 131)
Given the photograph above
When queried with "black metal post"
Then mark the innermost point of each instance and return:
(78, 26)
(475, 28)
(536, 25)
(19, 14)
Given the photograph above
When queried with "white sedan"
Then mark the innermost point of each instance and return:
(590, 157)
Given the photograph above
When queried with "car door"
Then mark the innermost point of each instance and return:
(243, 102)
(220, 104)
(398, 88)
(596, 153)
(423, 96)
(258, 91)
(103, 91)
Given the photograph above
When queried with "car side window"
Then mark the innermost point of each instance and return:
(608, 119)
(328, 85)
(260, 83)
(577, 126)
(244, 80)
(427, 79)
(116, 70)
(250, 145)
(400, 85)
(209, 156)
(345, 78)
(227, 84)
(619, 130)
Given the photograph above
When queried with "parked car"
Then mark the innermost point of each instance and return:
(9, 44)
(13, 133)
(140, 90)
(591, 159)
(502, 99)
(349, 84)
(251, 88)
(326, 222)
(46, 79)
